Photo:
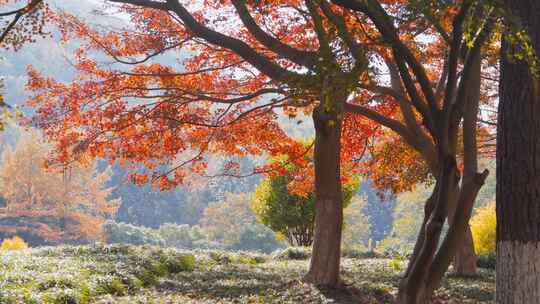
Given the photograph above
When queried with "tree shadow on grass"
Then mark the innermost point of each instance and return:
(349, 294)
(230, 284)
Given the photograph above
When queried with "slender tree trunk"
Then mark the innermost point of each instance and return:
(413, 287)
(427, 266)
(465, 259)
(518, 166)
(325, 261)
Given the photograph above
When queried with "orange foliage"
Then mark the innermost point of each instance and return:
(63, 203)
(22, 22)
(218, 100)
(396, 166)
(240, 65)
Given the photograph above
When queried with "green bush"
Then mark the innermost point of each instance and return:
(176, 263)
(56, 282)
(397, 261)
(293, 253)
(111, 285)
(185, 237)
(169, 235)
(236, 257)
(488, 261)
(290, 215)
(255, 237)
(62, 296)
(361, 253)
(122, 233)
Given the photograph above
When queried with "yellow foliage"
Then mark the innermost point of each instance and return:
(483, 226)
(15, 243)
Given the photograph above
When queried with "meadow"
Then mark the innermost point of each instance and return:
(102, 273)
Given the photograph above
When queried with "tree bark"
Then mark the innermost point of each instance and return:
(413, 287)
(518, 165)
(465, 259)
(427, 266)
(423, 278)
(325, 260)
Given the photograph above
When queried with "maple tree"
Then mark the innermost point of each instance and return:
(439, 99)
(225, 98)
(302, 56)
(66, 204)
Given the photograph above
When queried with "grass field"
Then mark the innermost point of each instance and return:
(129, 274)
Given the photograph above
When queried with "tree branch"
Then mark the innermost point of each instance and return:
(304, 58)
(390, 123)
(237, 46)
(383, 22)
(344, 33)
(18, 15)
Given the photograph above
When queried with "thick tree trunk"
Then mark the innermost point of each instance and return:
(325, 261)
(518, 266)
(518, 167)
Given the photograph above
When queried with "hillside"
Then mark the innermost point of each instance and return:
(127, 274)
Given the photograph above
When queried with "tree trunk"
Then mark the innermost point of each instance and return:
(449, 200)
(428, 265)
(518, 166)
(413, 287)
(325, 260)
(465, 259)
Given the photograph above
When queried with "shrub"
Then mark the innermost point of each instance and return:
(293, 253)
(123, 233)
(287, 213)
(220, 257)
(255, 237)
(170, 235)
(488, 261)
(390, 245)
(111, 285)
(396, 263)
(360, 252)
(483, 227)
(61, 296)
(56, 282)
(185, 237)
(176, 263)
(249, 258)
(15, 243)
